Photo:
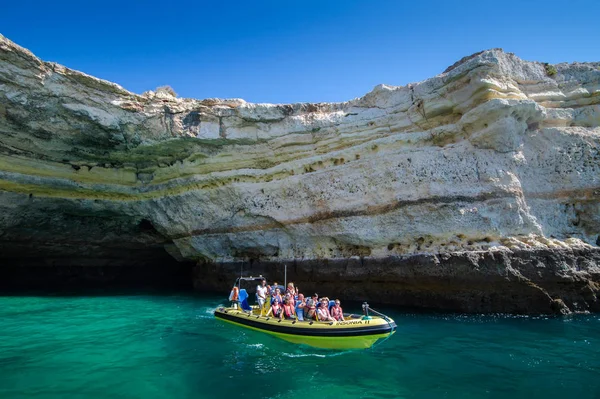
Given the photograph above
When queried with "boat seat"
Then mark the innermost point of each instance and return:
(243, 298)
(331, 304)
(281, 289)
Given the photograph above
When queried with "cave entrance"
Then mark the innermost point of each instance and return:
(47, 269)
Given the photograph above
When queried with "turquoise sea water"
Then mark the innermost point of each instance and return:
(170, 346)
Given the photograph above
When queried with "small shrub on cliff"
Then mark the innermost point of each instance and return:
(167, 90)
(550, 70)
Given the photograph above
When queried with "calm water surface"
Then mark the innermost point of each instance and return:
(170, 346)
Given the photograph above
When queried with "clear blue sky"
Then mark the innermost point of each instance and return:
(292, 51)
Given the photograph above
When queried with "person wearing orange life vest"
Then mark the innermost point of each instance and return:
(277, 296)
(323, 311)
(289, 312)
(293, 291)
(234, 296)
(291, 298)
(276, 310)
(336, 311)
(310, 310)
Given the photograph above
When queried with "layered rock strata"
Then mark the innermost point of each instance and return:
(475, 190)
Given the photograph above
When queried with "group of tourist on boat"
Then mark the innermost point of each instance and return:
(313, 321)
(291, 304)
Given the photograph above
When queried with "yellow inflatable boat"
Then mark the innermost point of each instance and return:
(355, 332)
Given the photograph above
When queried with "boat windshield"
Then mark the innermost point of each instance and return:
(247, 281)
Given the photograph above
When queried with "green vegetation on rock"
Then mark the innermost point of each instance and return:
(550, 69)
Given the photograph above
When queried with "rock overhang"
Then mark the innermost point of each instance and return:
(494, 153)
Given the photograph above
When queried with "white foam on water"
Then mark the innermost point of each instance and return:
(303, 355)
(322, 355)
(205, 313)
(208, 310)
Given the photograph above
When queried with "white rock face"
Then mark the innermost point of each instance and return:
(493, 153)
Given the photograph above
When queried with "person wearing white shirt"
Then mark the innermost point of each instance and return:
(261, 293)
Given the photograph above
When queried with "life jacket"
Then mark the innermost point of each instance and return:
(234, 294)
(276, 310)
(288, 310)
(336, 312)
(323, 313)
(311, 312)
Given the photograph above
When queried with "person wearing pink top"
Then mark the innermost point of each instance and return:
(336, 311)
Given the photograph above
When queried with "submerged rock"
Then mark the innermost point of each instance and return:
(475, 190)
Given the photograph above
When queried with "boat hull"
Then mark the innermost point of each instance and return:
(353, 333)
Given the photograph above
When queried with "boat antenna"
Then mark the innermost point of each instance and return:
(241, 272)
(285, 276)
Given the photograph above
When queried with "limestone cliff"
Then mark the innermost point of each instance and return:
(477, 189)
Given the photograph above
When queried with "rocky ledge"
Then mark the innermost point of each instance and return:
(476, 190)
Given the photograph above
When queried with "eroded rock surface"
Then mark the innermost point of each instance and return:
(497, 158)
